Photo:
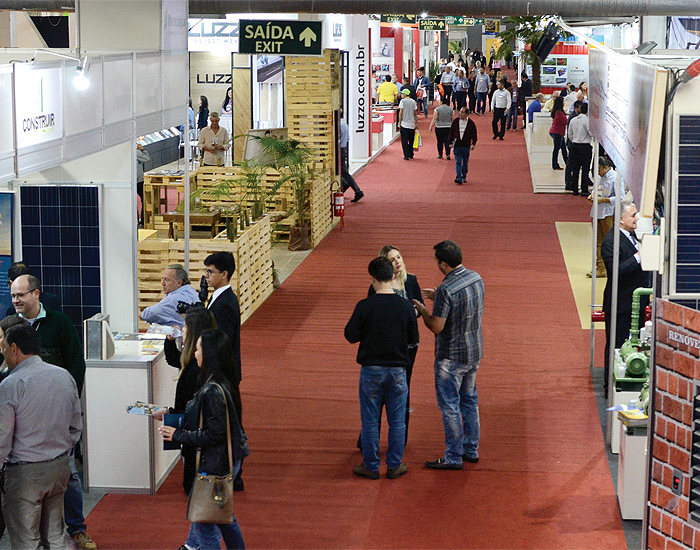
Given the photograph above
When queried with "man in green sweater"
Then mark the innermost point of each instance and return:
(60, 346)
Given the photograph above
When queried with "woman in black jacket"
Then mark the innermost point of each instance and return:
(203, 115)
(215, 359)
(197, 320)
(405, 285)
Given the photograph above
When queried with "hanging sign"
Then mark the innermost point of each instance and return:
(492, 26)
(462, 21)
(403, 19)
(431, 24)
(281, 37)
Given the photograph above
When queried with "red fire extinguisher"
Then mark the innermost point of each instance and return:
(339, 206)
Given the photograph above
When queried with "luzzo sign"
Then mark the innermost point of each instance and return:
(38, 105)
(212, 34)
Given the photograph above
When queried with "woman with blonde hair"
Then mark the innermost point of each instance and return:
(406, 285)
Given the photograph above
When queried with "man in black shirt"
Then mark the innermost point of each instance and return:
(384, 324)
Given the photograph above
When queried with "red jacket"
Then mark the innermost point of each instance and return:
(469, 137)
(558, 124)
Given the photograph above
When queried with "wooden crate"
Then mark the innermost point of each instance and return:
(152, 185)
(252, 280)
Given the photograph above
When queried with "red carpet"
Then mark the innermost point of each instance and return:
(543, 479)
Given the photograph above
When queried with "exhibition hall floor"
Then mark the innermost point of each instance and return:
(542, 481)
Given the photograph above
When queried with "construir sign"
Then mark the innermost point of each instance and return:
(281, 37)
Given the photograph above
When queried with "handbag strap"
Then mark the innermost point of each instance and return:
(228, 433)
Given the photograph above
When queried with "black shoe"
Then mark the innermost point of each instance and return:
(358, 197)
(441, 464)
(238, 484)
(494, 137)
(440, 156)
(576, 193)
(472, 459)
(500, 138)
(457, 180)
(406, 158)
(448, 157)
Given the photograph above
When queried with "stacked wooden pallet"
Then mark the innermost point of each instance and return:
(252, 280)
(153, 183)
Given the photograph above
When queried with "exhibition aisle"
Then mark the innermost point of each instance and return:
(543, 478)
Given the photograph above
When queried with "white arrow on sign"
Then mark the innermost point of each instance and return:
(307, 37)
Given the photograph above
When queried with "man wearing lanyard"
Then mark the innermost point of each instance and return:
(630, 277)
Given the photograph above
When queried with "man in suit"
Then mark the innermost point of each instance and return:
(223, 304)
(630, 277)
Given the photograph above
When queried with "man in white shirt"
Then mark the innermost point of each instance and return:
(213, 142)
(581, 151)
(501, 102)
(447, 79)
(407, 119)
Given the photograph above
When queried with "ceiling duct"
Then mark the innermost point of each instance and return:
(475, 8)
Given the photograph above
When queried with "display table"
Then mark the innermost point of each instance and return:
(210, 219)
(377, 133)
(631, 472)
(124, 452)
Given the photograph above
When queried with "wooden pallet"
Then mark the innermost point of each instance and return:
(252, 280)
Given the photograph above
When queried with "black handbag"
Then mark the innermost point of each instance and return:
(211, 497)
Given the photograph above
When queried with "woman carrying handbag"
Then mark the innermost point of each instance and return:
(212, 427)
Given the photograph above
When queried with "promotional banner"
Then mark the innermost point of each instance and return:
(359, 117)
(38, 105)
(626, 108)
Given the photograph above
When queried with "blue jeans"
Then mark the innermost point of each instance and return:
(481, 102)
(512, 117)
(389, 385)
(73, 500)
(461, 162)
(207, 536)
(559, 145)
(455, 387)
(423, 105)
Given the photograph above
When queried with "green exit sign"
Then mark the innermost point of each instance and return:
(281, 37)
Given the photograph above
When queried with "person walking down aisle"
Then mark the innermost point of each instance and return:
(41, 422)
(421, 85)
(407, 119)
(385, 326)
(525, 92)
(456, 321)
(557, 131)
(463, 138)
(447, 79)
(512, 114)
(442, 120)
(501, 101)
(206, 430)
(346, 179)
(482, 89)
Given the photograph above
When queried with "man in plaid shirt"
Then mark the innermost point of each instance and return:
(456, 322)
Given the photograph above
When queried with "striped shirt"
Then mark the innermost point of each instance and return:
(460, 300)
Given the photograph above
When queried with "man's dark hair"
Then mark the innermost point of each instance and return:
(523, 75)
(444, 100)
(387, 78)
(448, 252)
(17, 269)
(421, 69)
(584, 108)
(223, 261)
(577, 104)
(26, 338)
(381, 269)
(12, 321)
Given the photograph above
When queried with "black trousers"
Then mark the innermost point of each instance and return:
(443, 135)
(499, 115)
(460, 99)
(448, 91)
(408, 135)
(580, 155)
(346, 179)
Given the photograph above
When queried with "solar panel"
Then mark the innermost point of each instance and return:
(688, 211)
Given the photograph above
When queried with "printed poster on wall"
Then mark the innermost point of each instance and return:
(6, 225)
(557, 70)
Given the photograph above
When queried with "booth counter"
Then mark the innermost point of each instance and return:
(124, 452)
